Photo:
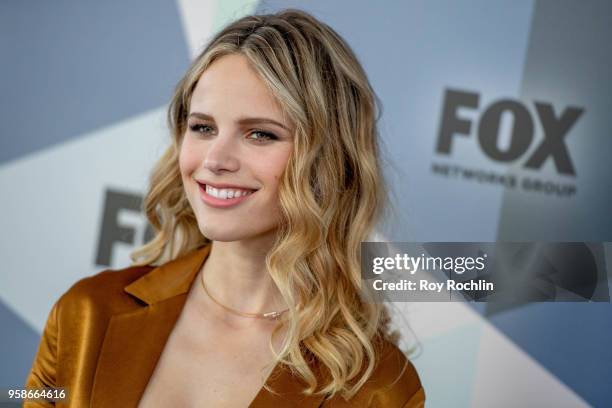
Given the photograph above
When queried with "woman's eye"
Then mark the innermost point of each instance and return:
(199, 128)
(263, 136)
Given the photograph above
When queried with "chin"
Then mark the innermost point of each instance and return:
(222, 234)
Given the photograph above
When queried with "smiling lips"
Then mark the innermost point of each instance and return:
(223, 197)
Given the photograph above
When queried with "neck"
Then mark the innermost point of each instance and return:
(235, 274)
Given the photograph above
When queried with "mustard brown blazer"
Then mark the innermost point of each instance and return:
(104, 336)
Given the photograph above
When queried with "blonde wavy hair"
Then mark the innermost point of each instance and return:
(332, 194)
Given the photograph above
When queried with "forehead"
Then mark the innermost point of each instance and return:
(230, 87)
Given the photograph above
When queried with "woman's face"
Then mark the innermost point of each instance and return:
(237, 145)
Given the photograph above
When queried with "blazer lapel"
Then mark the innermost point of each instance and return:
(132, 346)
(135, 339)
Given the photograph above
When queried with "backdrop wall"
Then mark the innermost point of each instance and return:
(496, 126)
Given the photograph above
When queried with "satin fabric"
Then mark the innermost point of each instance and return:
(104, 336)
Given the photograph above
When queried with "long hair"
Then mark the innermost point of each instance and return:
(332, 193)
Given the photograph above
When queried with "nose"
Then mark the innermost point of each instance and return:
(221, 154)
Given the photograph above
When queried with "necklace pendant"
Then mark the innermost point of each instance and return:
(272, 315)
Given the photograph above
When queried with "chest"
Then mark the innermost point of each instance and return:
(208, 369)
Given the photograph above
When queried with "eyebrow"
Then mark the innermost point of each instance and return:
(242, 121)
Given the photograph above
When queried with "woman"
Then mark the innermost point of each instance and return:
(249, 294)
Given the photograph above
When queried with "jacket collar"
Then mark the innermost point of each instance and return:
(134, 341)
(170, 279)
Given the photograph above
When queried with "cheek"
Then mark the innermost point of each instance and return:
(188, 159)
(272, 169)
(279, 165)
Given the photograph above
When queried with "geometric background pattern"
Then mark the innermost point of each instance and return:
(85, 87)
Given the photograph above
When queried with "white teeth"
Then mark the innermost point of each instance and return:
(225, 193)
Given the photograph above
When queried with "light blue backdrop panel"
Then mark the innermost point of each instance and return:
(572, 340)
(18, 342)
(69, 67)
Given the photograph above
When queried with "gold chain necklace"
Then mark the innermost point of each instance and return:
(268, 315)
